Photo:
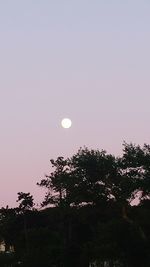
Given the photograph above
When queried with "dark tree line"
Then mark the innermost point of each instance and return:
(86, 218)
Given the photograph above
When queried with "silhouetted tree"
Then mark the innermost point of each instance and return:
(86, 214)
(26, 203)
(100, 181)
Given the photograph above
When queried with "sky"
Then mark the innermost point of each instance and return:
(82, 59)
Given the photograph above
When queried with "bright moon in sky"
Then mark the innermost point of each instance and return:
(66, 123)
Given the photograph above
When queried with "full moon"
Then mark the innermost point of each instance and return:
(66, 123)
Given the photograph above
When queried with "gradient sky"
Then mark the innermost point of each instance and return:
(83, 59)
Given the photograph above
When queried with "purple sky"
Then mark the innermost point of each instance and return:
(82, 59)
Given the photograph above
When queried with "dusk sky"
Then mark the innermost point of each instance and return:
(82, 59)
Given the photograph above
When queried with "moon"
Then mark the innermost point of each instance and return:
(66, 123)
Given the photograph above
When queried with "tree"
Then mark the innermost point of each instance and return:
(87, 214)
(86, 178)
(100, 181)
(26, 201)
(136, 164)
(26, 204)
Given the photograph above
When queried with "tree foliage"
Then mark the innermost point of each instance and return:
(87, 214)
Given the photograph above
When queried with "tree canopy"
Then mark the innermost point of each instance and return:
(87, 216)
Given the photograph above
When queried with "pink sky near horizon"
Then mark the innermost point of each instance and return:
(86, 60)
